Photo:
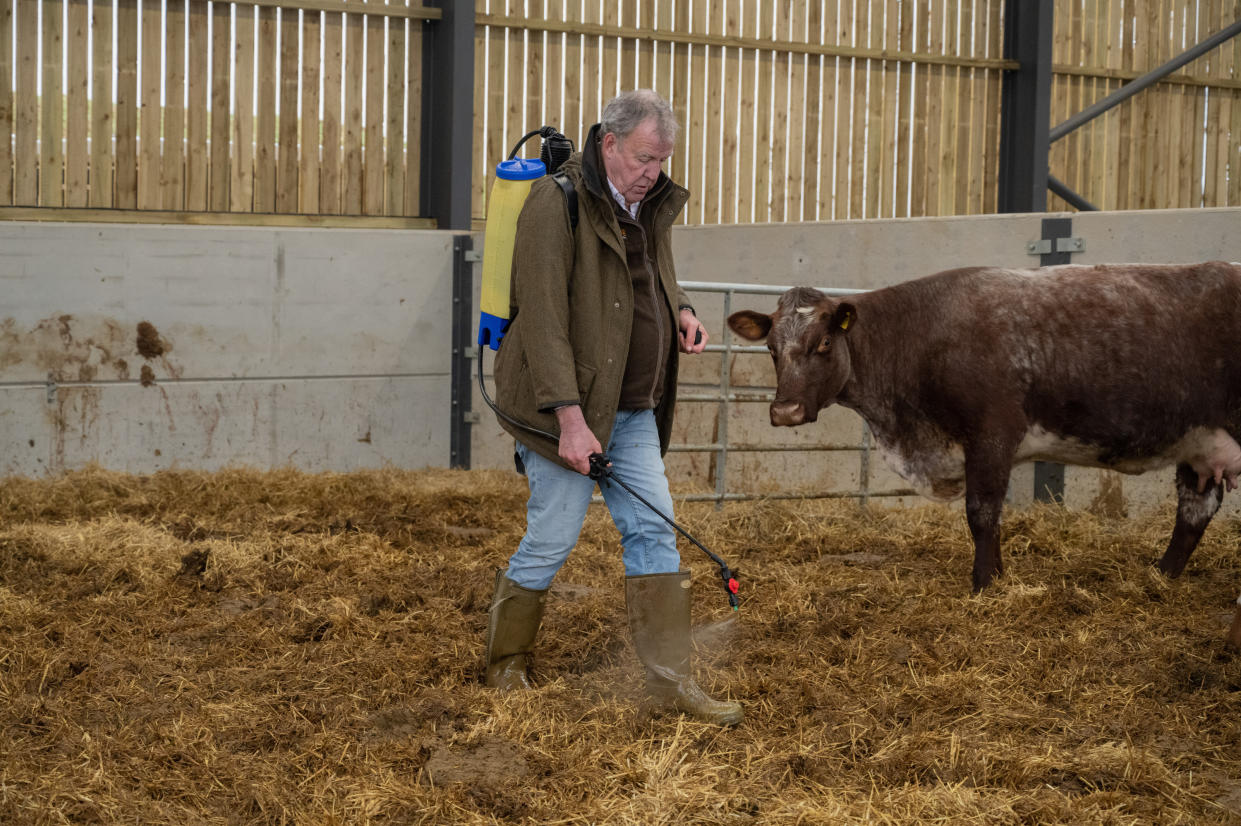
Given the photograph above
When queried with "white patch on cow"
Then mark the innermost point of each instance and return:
(1211, 452)
(1198, 510)
(936, 473)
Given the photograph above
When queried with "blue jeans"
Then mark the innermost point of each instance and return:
(559, 498)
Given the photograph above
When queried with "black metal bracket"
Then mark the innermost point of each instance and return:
(1049, 476)
(463, 417)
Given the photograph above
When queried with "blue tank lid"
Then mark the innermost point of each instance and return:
(520, 169)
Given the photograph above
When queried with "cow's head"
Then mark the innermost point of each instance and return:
(806, 338)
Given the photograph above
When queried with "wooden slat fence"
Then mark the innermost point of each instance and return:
(796, 111)
(251, 106)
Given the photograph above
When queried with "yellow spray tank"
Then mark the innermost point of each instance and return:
(513, 179)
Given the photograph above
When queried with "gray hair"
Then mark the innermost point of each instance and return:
(628, 110)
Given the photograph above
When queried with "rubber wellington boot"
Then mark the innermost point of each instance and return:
(659, 621)
(514, 621)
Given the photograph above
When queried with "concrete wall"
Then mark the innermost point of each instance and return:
(330, 349)
(322, 349)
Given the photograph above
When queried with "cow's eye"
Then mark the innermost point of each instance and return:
(824, 345)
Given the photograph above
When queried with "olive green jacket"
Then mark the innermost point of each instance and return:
(572, 305)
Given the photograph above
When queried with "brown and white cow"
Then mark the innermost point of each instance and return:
(962, 374)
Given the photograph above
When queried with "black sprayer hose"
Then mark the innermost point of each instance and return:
(601, 471)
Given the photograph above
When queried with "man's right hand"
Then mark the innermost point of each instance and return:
(577, 443)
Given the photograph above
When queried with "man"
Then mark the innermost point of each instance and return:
(591, 354)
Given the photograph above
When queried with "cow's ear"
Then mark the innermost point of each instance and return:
(844, 317)
(750, 325)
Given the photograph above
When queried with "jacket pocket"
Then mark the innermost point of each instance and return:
(585, 380)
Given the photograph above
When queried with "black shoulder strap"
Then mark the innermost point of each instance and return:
(570, 194)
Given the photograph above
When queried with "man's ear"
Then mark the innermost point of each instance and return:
(844, 317)
(750, 325)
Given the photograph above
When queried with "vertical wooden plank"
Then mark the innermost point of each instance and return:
(846, 68)
(52, 131)
(963, 201)
(1234, 157)
(934, 108)
(829, 128)
(857, 151)
(287, 157)
(150, 109)
(6, 102)
(763, 149)
(394, 183)
(100, 165)
(628, 46)
(991, 162)
(646, 47)
(1191, 144)
(494, 151)
(413, 122)
(127, 104)
(478, 161)
(77, 82)
(875, 156)
(1094, 52)
(221, 116)
(948, 123)
(196, 116)
(888, 138)
(330, 195)
(515, 93)
(573, 126)
(714, 118)
(373, 148)
(1126, 160)
(26, 105)
(172, 171)
(241, 193)
(904, 93)
(535, 94)
(308, 139)
(353, 67)
(553, 87)
(747, 76)
(592, 67)
(780, 112)
(812, 116)
(695, 138)
(609, 46)
(679, 167)
(796, 33)
(268, 50)
(921, 82)
(730, 79)
(1209, 109)
(77, 79)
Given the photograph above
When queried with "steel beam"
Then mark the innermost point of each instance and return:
(1025, 106)
(448, 114)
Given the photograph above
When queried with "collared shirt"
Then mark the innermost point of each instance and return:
(620, 199)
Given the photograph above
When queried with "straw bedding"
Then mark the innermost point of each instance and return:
(246, 647)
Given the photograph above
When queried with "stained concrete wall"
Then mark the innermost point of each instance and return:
(322, 349)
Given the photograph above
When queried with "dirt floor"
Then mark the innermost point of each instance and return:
(244, 647)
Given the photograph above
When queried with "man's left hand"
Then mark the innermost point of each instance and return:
(694, 337)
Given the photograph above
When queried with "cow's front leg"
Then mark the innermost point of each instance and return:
(986, 483)
(1193, 513)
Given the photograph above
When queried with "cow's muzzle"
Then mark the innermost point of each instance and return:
(788, 414)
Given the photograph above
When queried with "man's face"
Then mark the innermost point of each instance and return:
(633, 163)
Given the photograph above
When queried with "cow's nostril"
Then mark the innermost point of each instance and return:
(787, 413)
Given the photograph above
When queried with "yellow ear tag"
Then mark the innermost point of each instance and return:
(844, 322)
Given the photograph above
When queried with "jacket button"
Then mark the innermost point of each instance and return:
(617, 305)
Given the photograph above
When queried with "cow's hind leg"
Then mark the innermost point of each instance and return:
(1193, 513)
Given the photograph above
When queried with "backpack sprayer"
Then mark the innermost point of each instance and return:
(514, 177)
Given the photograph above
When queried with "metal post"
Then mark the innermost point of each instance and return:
(1049, 476)
(462, 327)
(448, 114)
(1025, 106)
(721, 429)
